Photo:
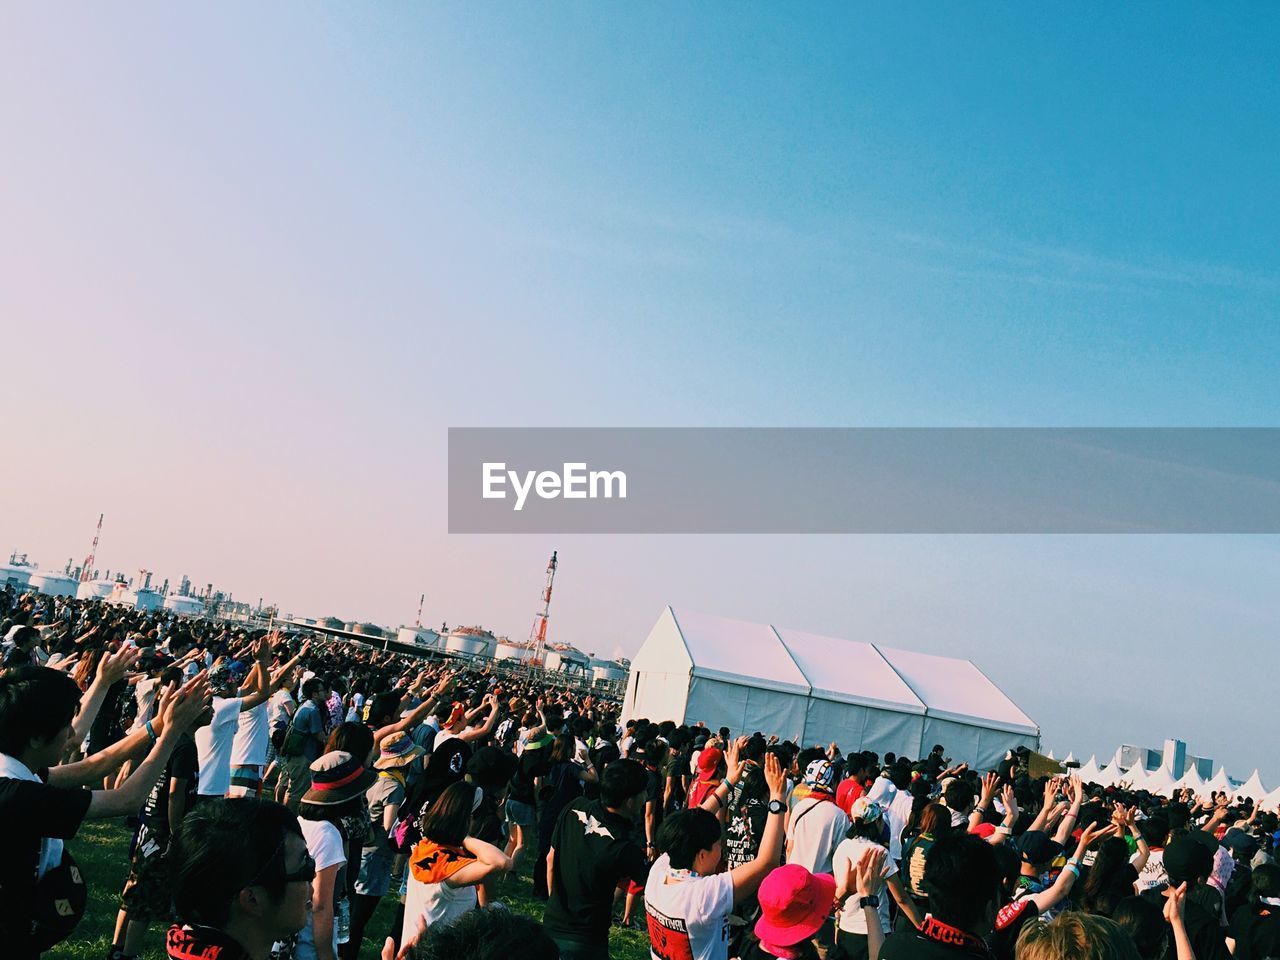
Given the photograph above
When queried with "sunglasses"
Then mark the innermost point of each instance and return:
(304, 873)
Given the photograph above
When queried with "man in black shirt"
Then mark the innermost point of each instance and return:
(592, 849)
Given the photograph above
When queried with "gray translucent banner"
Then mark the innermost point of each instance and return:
(819, 480)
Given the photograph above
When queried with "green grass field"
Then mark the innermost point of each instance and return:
(101, 850)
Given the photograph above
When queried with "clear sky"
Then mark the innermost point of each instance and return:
(259, 258)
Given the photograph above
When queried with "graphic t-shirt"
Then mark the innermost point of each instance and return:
(688, 917)
(154, 829)
(1153, 873)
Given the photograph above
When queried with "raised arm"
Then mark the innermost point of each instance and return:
(747, 878)
(1073, 814)
(480, 732)
(990, 783)
(111, 669)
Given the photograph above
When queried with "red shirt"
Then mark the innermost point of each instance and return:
(848, 791)
(700, 791)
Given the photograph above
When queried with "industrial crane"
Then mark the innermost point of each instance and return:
(538, 635)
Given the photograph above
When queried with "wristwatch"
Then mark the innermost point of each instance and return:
(872, 901)
(777, 806)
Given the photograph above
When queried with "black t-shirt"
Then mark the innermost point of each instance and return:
(154, 829)
(1203, 929)
(1256, 931)
(30, 811)
(532, 763)
(487, 824)
(446, 766)
(594, 850)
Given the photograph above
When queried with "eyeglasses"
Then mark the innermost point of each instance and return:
(305, 873)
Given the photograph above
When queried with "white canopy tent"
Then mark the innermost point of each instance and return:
(1218, 782)
(1252, 788)
(817, 689)
(1089, 771)
(1191, 780)
(1160, 781)
(1271, 801)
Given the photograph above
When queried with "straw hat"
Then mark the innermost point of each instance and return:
(397, 751)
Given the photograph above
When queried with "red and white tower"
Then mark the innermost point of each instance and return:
(538, 635)
(86, 572)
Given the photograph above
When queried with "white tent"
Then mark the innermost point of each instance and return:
(1191, 780)
(1218, 782)
(818, 689)
(1271, 801)
(1108, 776)
(1159, 781)
(1089, 772)
(1135, 777)
(1252, 788)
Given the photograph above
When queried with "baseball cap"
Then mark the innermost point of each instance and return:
(1186, 858)
(1036, 846)
(709, 760)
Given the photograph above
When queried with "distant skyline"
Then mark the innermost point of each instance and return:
(260, 259)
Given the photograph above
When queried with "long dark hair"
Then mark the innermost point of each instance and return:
(1100, 888)
(562, 749)
(447, 820)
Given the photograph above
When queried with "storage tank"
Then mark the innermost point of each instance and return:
(147, 599)
(185, 606)
(607, 671)
(368, 630)
(470, 642)
(509, 650)
(94, 589)
(16, 574)
(419, 636)
(53, 584)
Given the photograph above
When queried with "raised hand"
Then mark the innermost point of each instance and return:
(869, 872)
(775, 777)
(113, 666)
(1175, 904)
(990, 782)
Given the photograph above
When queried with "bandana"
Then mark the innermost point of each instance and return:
(433, 863)
(939, 932)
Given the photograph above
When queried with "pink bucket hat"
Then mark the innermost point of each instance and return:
(794, 904)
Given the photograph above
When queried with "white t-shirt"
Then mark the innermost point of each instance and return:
(324, 843)
(213, 747)
(1153, 874)
(816, 829)
(690, 917)
(897, 817)
(852, 918)
(427, 904)
(252, 738)
(280, 708)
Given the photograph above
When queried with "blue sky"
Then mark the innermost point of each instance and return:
(263, 258)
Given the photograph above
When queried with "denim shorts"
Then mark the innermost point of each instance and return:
(374, 879)
(519, 813)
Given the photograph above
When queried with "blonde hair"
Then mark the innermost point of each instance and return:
(1075, 936)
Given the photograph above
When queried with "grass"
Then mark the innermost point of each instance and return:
(101, 849)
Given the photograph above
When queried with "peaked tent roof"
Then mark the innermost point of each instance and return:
(1160, 781)
(848, 671)
(1252, 788)
(1191, 780)
(1219, 781)
(1089, 772)
(738, 652)
(957, 690)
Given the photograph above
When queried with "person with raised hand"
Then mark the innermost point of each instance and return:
(687, 901)
(43, 803)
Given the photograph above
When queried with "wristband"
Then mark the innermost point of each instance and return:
(1073, 867)
(151, 732)
(1001, 828)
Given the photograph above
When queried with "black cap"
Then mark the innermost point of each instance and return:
(1036, 846)
(1240, 843)
(490, 768)
(1186, 859)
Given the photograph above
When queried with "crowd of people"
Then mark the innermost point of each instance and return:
(281, 789)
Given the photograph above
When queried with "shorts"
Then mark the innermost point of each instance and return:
(374, 879)
(520, 813)
(148, 893)
(245, 781)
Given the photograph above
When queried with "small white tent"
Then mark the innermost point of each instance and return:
(1159, 781)
(694, 667)
(1089, 772)
(1219, 782)
(1252, 788)
(1191, 780)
